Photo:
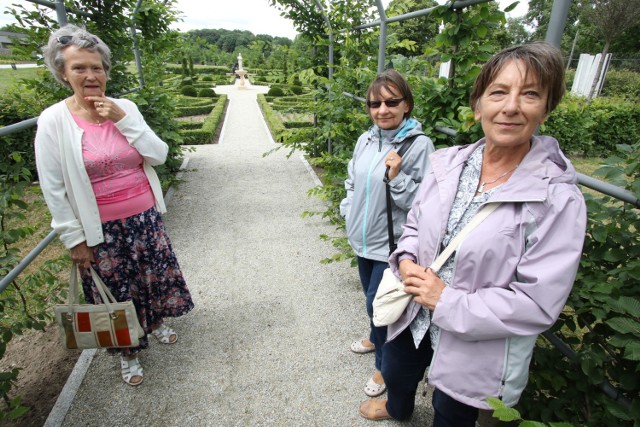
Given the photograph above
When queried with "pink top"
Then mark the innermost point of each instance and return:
(116, 171)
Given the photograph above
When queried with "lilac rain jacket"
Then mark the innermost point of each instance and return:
(512, 274)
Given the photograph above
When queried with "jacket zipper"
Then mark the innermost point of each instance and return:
(503, 380)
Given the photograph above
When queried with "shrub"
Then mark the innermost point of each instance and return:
(296, 90)
(207, 78)
(273, 120)
(207, 93)
(593, 129)
(621, 83)
(205, 134)
(189, 91)
(275, 91)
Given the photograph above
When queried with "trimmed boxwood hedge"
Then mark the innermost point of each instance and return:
(297, 124)
(189, 91)
(205, 134)
(196, 110)
(189, 125)
(273, 120)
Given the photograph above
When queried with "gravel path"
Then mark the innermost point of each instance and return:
(268, 341)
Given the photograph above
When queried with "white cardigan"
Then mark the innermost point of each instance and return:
(64, 179)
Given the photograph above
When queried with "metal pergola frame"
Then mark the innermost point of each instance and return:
(555, 30)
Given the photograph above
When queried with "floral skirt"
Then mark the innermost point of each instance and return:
(136, 262)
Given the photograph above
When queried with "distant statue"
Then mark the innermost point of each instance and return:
(240, 62)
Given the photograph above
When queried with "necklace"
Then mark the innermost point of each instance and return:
(98, 122)
(483, 183)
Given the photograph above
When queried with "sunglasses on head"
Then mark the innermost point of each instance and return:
(394, 102)
(65, 40)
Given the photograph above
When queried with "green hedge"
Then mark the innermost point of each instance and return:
(290, 108)
(594, 129)
(188, 101)
(297, 124)
(205, 134)
(195, 110)
(273, 119)
(622, 84)
(189, 125)
(207, 69)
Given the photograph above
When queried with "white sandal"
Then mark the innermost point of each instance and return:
(373, 389)
(164, 333)
(131, 368)
(360, 348)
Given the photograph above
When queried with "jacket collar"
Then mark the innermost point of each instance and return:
(407, 128)
(543, 164)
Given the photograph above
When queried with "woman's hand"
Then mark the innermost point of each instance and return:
(393, 162)
(425, 285)
(82, 255)
(106, 108)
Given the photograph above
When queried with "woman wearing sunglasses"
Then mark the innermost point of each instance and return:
(389, 103)
(474, 324)
(95, 158)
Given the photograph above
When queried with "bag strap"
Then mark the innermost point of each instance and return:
(403, 149)
(105, 293)
(455, 242)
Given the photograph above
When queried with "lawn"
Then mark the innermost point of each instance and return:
(9, 77)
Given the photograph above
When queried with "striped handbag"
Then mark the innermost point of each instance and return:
(110, 324)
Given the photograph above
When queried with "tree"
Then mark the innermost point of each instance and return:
(517, 32)
(418, 31)
(611, 18)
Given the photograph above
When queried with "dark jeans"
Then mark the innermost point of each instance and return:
(403, 367)
(370, 277)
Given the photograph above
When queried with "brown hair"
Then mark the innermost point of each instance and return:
(540, 58)
(392, 81)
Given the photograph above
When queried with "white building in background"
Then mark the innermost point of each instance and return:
(586, 74)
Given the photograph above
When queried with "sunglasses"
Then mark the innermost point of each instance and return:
(65, 40)
(394, 102)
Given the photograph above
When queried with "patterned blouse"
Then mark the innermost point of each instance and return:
(465, 206)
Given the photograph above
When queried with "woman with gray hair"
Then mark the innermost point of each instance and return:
(95, 158)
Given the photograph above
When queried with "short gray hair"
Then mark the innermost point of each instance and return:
(53, 52)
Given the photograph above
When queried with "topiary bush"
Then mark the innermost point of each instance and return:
(189, 91)
(207, 93)
(275, 91)
(207, 78)
(296, 90)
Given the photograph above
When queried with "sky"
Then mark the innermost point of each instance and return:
(251, 15)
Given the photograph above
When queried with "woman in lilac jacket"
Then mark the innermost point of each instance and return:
(475, 323)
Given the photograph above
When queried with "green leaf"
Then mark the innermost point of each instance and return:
(506, 414)
(624, 325)
(632, 351)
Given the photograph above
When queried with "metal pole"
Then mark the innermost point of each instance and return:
(573, 47)
(559, 14)
(330, 30)
(136, 47)
(382, 47)
(61, 13)
(16, 127)
(6, 280)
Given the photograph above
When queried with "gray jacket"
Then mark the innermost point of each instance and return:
(364, 207)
